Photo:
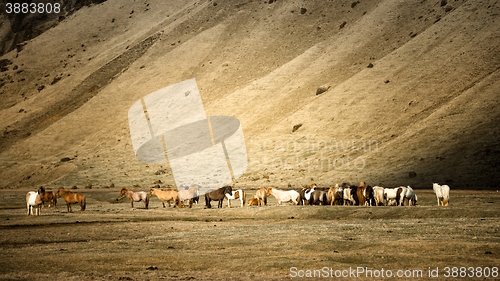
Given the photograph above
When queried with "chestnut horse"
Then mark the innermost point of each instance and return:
(72, 198)
(217, 195)
(253, 201)
(51, 197)
(135, 196)
(261, 195)
(167, 195)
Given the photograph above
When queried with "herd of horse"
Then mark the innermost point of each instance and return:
(341, 194)
(36, 200)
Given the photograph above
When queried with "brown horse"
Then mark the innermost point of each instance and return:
(72, 198)
(217, 195)
(336, 195)
(136, 196)
(167, 195)
(51, 197)
(253, 201)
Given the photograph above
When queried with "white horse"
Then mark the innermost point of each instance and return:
(378, 193)
(34, 200)
(348, 198)
(408, 196)
(236, 194)
(442, 194)
(392, 195)
(284, 195)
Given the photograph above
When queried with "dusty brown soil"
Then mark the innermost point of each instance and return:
(112, 241)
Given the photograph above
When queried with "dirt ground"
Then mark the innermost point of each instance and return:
(112, 241)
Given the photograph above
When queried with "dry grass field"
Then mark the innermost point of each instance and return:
(112, 241)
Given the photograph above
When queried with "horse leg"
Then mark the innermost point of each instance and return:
(207, 202)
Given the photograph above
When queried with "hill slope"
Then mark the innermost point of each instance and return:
(412, 90)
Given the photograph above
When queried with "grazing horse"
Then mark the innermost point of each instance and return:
(217, 195)
(254, 201)
(192, 194)
(34, 200)
(283, 195)
(442, 194)
(136, 196)
(72, 198)
(51, 197)
(318, 197)
(378, 194)
(261, 195)
(408, 197)
(236, 194)
(167, 195)
(392, 194)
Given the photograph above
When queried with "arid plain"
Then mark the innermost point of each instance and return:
(389, 92)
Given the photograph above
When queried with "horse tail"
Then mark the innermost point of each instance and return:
(147, 200)
(84, 203)
(176, 200)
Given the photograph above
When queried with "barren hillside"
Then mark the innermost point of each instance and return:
(412, 90)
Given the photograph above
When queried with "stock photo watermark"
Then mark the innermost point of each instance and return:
(170, 126)
(310, 154)
(453, 272)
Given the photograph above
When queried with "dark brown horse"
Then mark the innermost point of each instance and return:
(217, 195)
(72, 198)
